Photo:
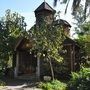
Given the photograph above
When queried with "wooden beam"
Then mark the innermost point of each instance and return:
(38, 68)
(17, 65)
(71, 58)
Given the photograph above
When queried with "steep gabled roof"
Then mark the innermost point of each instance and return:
(45, 6)
(61, 22)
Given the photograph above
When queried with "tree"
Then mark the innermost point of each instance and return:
(79, 20)
(12, 26)
(82, 30)
(84, 36)
(75, 5)
(47, 42)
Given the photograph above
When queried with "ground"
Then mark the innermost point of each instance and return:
(18, 84)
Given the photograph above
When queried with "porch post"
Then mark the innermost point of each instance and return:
(38, 67)
(71, 50)
(17, 65)
(73, 58)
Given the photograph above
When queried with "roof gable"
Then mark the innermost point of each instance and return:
(61, 22)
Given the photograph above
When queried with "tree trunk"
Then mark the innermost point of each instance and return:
(51, 67)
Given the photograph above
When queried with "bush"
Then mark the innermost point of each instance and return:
(53, 85)
(2, 83)
(80, 80)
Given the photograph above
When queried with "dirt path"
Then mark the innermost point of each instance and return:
(20, 87)
(17, 84)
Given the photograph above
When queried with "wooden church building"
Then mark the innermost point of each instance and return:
(27, 64)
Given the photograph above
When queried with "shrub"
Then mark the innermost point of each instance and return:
(80, 80)
(53, 85)
(2, 83)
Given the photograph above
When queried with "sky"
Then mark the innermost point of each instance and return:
(26, 8)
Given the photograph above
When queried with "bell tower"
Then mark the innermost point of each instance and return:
(44, 13)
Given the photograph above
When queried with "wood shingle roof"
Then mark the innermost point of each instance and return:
(45, 6)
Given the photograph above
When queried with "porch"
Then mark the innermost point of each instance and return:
(26, 64)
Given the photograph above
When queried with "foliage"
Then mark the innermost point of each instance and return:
(84, 38)
(53, 85)
(47, 40)
(12, 26)
(80, 80)
(82, 30)
(2, 83)
(75, 5)
(81, 25)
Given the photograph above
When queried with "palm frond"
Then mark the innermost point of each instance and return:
(61, 1)
(85, 9)
(67, 6)
(55, 2)
(75, 5)
(64, 1)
